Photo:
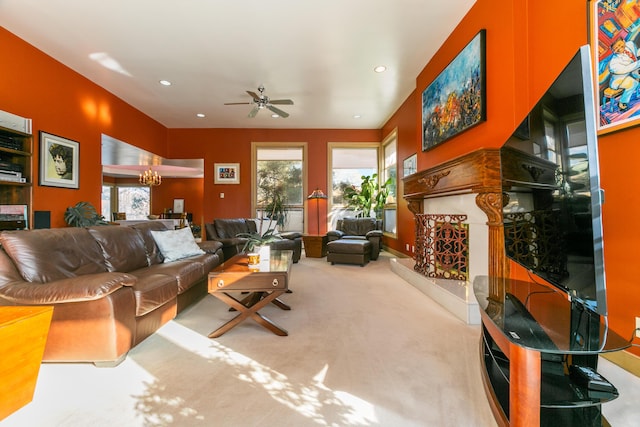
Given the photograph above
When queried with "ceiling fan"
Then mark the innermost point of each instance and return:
(262, 101)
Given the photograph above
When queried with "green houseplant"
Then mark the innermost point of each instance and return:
(272, 184)
(259, 238)
(369, 199)
(83, 214)
(255, 240)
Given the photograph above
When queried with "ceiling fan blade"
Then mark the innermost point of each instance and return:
(278, 111)
(253, 112)
(238, 103)
(281, 101)
(255, 96)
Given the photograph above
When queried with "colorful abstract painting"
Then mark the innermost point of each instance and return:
(615, 45)
(455, 100)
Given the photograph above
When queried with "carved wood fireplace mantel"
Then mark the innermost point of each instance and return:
(474, 173)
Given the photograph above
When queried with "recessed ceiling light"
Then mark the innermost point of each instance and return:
(200, 115)
(165, 82)
(356, 116)
(275, 116)
(380, 69)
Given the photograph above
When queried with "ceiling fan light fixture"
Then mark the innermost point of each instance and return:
(262, 101)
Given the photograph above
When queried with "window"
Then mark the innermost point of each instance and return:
(106, 202)
(390, 173)
(278, 183)
(551, 129)
(348, 163)
(134, 200)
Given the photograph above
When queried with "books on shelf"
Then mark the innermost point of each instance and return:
(6, 166)
(13, 217)
(11, 142)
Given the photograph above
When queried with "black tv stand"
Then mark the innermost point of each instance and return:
(531, 337)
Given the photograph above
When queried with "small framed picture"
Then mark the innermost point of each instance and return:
(226, 173)
(410, 165)
(59, 158)
(178, 205)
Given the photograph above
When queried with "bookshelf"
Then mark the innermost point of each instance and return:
(16, 148)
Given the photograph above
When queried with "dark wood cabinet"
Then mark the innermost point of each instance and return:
(16, 150)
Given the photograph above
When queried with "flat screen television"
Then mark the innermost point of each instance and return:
(551, 188)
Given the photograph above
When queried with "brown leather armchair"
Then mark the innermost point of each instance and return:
(227, 230)
(359, 229)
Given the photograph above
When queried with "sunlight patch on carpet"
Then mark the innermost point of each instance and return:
(312, 400)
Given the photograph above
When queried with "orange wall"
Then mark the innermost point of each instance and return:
(528, 43)
(527, 46)
(62, 102)
(189, 189)
(234, 146)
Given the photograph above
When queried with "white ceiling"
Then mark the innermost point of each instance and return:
(319, 54)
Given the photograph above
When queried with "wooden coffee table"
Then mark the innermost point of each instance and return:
(264, 282)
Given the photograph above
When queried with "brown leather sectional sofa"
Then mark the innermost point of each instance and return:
(109, 286)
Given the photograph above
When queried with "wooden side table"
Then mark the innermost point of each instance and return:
(23, 335)
(315, 246)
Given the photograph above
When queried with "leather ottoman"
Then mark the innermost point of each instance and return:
(349, 251)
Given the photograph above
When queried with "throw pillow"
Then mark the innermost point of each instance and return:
(176, 244)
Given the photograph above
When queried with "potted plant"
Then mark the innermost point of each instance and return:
(368, 200)
(258, 239)
(83, 214)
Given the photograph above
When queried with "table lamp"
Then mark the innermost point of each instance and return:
(317, 194)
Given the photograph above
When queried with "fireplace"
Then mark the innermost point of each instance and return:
(458, 214)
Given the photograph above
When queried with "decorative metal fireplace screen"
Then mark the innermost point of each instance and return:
(442, 246)
(536, 239)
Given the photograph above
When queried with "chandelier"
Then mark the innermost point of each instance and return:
(150, 178)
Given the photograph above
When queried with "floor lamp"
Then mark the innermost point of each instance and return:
(317, 194)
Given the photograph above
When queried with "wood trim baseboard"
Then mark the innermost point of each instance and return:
(395, 252)
(626, 360)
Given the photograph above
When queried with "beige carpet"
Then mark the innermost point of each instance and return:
(364, 349)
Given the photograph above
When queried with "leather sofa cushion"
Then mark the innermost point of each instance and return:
(229, 228)
(79, 289)
(144, 229)
(152, 291)
(52, 254)
(209, 261)
(358, 226)
(187, 273)
(122, 247)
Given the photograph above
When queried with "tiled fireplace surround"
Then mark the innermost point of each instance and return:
(471, 186)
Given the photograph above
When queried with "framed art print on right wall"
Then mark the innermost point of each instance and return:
(614, 30)
(455, 100)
